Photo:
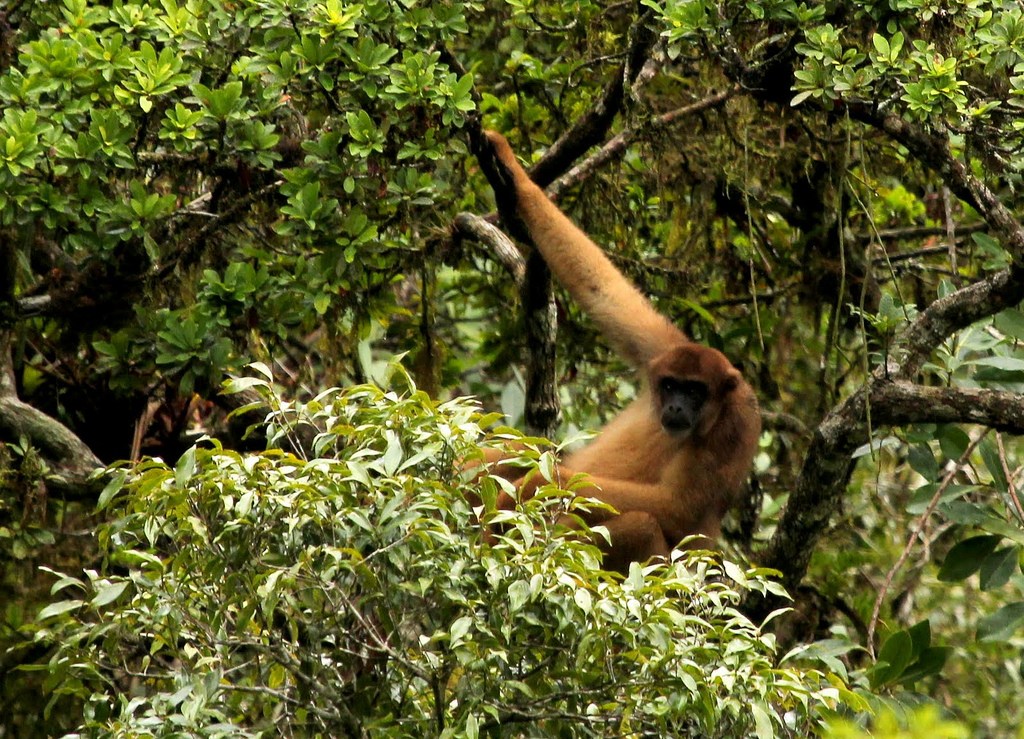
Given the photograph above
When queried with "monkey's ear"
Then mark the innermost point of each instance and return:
(731, 381)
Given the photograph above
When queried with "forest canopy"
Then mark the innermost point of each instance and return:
(212, 213)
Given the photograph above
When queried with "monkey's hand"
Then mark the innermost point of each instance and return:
(507, 177)
(505, 159)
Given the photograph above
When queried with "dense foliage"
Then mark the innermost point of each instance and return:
(351, 595)
(826, 191)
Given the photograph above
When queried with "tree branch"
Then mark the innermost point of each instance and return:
(591, 128)
(71, 463)
(957, 310)
(543, 410)
(480, 229)
(616, 146)
(897, 403)
(828, 463)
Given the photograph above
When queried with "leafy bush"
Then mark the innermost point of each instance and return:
(351, 593)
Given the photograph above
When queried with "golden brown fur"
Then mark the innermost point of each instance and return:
(665, 485)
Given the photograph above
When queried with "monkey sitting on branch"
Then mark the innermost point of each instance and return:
(674, 461)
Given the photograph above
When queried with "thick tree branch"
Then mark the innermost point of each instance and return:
(829, 460)
(71, 463)
(956, 311)
(828, 463)
(897, 403)
(543, 410)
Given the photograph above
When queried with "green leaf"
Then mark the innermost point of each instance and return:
(111, 489)
(965, 513)
(460, 628)
(895, 44)
(922, 461)
(1006, 364)
(966, 557)
(893, 658)
(56, 609)
(1010, 322)
(392, 455)
(930, 662)
(953, 441)
(518, 594)
(583, 600)
(920, 636)
(993, 462)
(763, 728)
(998, 567)
(108, 594)
(1002, 624)
(185, 468)
(923, 495)
(65, 581)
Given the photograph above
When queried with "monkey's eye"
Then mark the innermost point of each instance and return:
(689, 388)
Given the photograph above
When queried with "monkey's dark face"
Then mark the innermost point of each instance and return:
(690, 384)
(682, 402)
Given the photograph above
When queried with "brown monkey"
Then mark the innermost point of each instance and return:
(673, 462)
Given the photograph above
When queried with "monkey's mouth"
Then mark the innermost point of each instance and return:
(677, 427)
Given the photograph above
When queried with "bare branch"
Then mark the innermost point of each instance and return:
(897, 403)
(918, 528)
(616, 146)
(957, 310)
(483, 231)
(592, 127)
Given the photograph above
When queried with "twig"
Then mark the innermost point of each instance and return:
(1011, 489)
(616, 145)
(947, 206)
(921, 523)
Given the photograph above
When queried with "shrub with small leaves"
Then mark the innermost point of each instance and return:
(352, 593)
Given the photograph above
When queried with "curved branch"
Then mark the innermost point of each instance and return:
(591, 128)
(616, 146)
(897, 403)
(829, 459)
(480, 229)
(957, 310)
(71, 463)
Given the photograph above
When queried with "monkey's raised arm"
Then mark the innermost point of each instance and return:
(623, 314)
